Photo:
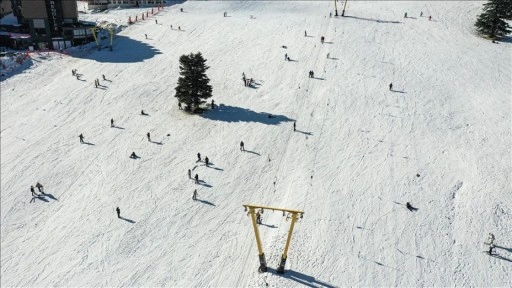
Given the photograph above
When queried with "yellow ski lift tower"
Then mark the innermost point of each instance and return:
(292, 214)
(335, 8)
(111, 31)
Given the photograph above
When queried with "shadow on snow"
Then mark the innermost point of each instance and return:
(236, 114)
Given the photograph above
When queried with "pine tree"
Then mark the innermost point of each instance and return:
(491, 21)
(193, 84)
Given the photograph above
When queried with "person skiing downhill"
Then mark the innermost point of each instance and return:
(33, 191)
(194, 196)
(305, 33)
(189, 174)
(149, 137)
(81, 138)
(197, 179)
(198, 157)
(242, 148)
(39, 187)
(206, 161)
(118, 212)
(390, 86)
(294, 126)
(112, 122)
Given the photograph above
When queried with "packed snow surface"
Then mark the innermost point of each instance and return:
(441, 140)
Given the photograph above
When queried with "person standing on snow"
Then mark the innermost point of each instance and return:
(294, 126)
(39, 187)
(206, 161)
(242, 148)
(112, 122)
(81, 138)
(194, 196)
(118, 212)
(198, 157)
(197, 179)
(33, 191)
(149, 137)
(189, 174)
(390, 86)
(286, 56)
(305, 33)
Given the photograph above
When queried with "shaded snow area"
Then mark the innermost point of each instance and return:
(441, 140)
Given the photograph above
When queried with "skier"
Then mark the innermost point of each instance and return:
(327, 55)
(73, 72)
(118, 212)
(171, 27)
(286, 56)
(491, 247)
(429, 18)
(146, 36)
(258, 217)
(409, 206)
(149, 137)
(179, 106)
(39, 187)
(143, 113)
(421, 14)
(305, 33)
(96, 83)
(156, 21)
(242, 148)
(197, 179)
(194, 196)
(294, 126)
(245, 80)
(33, 192)
(491, 239)
(225, 14)
(189, 174)
(104, 78)
(198, 157)
(312, 74)
(322, 39)
(81, 138)
(133, 155)
(330, 14)
(405, 15)
(179, 27)
(112, 122)
(213, 104)
(181, 9)
(206, 161)
(390, 86)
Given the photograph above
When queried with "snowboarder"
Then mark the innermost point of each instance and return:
(242, 148)
(133, 155)
(213, 104)
(118, 212)
(206, 161)
(143, 113)
(33, 192)
(197, 179)
(81, 138)
(189, 174)
(286, 56)
(39, 187)
(390, 86)
(322, 39)
(294, 126)
(149, 137)
(104, 78)
(179, 106)
(112, 122)
(198, 157)
(194, 196)
(405, 15)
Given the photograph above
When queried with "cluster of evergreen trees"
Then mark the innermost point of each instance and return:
(492, 21)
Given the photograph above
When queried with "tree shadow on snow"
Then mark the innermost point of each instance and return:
(373, 20)
(236, 114)
(125, 50)
(303, 279)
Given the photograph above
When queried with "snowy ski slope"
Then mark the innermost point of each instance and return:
(441, 140)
